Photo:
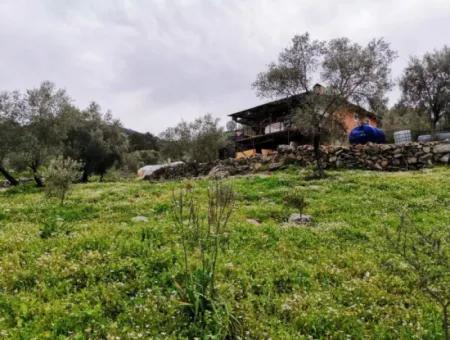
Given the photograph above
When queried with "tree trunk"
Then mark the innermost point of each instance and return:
(8, 176)
(316, 144)
(37, 178)
(85, 176)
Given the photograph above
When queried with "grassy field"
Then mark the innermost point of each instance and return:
(87, 270)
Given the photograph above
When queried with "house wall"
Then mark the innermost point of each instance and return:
(349, 121)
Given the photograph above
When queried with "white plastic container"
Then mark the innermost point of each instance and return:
(403, 136)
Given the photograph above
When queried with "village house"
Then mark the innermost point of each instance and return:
(262, 128)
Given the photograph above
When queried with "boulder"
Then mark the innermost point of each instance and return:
(148, 170)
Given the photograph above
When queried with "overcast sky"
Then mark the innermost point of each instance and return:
(155, 62)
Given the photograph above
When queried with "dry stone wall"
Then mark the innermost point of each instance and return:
(380, 157)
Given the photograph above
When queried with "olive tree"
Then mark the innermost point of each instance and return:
(200, 140)
(425, 86)
(96, 140)
(42, 129)
(349, 72)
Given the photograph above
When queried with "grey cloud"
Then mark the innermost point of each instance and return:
(156, 62)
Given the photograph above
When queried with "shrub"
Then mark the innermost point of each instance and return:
(60, 175)
(296, 200)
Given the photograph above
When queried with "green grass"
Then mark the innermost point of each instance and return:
(86, 270)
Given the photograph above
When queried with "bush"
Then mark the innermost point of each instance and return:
(60, 175)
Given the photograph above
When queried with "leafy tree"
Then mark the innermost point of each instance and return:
(402, 117)
(425, 86)
(42, 131)
(349, 71)
(200, 140)
(96, 140)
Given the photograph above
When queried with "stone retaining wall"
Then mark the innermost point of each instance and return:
(381, 157)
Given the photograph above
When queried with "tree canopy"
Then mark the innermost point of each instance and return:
(425, 86)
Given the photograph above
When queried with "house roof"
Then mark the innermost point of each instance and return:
(280, 108)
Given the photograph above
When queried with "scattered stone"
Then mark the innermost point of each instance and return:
(253, 221)
(140, 219)
(300, 219)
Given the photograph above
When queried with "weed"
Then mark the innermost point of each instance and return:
(202, 239)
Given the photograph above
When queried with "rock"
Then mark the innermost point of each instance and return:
(426, 157)
(148, 170)
(426, 149)
(378, 166)
(445, 158)
(441, 148)
(219, 171)
(257, 166)
(253, 221)
(412, 160)
(139, 219)
(275, 166)
(299, 219)
(283, 148)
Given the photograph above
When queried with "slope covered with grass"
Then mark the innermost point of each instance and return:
(87, 270)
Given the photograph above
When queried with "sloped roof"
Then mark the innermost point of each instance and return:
(280, 108)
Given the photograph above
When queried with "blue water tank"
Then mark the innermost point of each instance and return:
(365, 133)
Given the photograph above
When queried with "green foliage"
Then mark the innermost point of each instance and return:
(96, 140)
(51, 226)
(60, 175)
(41, 123)
(133, 161)
(200, 140)
(99, 275)
(425, 86)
